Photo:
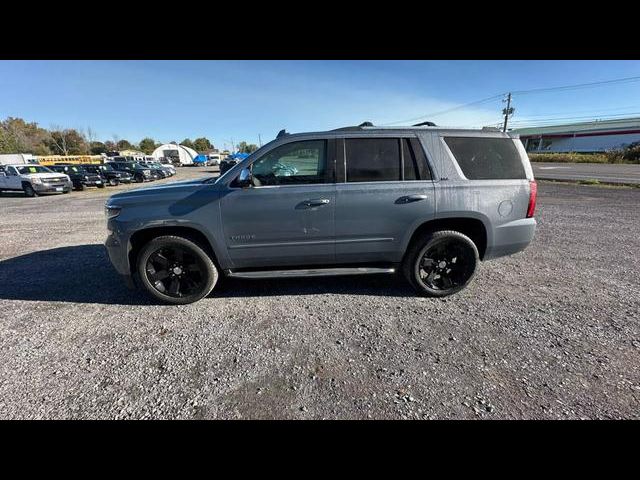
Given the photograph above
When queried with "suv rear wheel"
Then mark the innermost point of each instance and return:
(176, 270)
(441, 263)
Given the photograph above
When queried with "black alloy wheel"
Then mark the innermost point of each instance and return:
(441, 263)
(176, 270)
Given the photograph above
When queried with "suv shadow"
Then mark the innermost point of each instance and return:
(83, 274)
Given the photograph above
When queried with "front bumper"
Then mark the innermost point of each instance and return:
(57, 187)
(117, 246)
(87, 183)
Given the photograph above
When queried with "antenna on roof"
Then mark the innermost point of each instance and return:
(424, 124)
(366, 124)
(282, 133)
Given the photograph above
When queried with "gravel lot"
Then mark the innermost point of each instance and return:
(549, 333)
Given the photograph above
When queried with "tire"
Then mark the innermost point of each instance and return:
(159, 266)
(79, 187)
(114, 182)
(440, 263)
(64, 192)
(138, 178)
(29, 190)
(102, 185)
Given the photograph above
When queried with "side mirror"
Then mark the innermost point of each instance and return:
(244, 179)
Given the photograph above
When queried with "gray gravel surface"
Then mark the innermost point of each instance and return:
(549, 333)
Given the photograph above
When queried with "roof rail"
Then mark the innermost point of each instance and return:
(354, 127)
(424, 124)
(491, 129)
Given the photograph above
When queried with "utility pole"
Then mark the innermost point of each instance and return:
(260, 140)
(507, 112)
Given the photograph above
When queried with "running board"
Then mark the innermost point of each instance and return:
(312, 272)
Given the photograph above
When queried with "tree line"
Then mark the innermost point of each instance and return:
(20, 136)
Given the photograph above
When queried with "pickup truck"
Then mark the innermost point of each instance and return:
(33, 180)
(79, 176)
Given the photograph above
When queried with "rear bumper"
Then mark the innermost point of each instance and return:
(511, 237)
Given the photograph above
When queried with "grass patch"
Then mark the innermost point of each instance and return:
(630, 154)
(569, 157)
(589, 181)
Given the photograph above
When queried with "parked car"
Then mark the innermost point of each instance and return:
(230, 161)
(33, 180)
(430, 202)
(214, 160)
(163, 171)
(109, 175)
(138, 172)
(79, 176)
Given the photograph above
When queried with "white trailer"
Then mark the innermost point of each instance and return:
(17, 158)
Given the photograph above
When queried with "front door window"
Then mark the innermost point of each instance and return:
(295, 163)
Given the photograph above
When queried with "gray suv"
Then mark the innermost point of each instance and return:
(430, 202)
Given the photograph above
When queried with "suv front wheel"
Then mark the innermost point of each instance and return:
(441, 263)
(176, 270)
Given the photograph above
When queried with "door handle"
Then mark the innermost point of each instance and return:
(316, 202)
(411, 198)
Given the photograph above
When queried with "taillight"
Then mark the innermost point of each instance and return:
(533, 194)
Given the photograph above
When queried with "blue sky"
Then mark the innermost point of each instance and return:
(224, 100)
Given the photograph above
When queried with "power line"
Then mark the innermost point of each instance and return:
(431, 115)
(579, 85)
(543, 120)
(591, 112)
(519, 92)
(526, 124)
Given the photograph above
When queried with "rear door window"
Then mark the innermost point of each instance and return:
(385, 160)
(373, 159)
(483, 158)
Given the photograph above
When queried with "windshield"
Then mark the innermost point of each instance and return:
(106, 168)
(33, 169)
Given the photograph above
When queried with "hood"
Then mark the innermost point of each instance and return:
(168, 191)
(45, 175)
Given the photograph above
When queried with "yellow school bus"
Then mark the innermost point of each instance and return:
(73, 159)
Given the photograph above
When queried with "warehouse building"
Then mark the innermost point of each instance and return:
(597, 136)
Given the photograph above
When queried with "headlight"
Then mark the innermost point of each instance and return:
(36, 180)
(111, 211)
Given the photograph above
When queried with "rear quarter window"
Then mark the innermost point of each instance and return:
(483, 158)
